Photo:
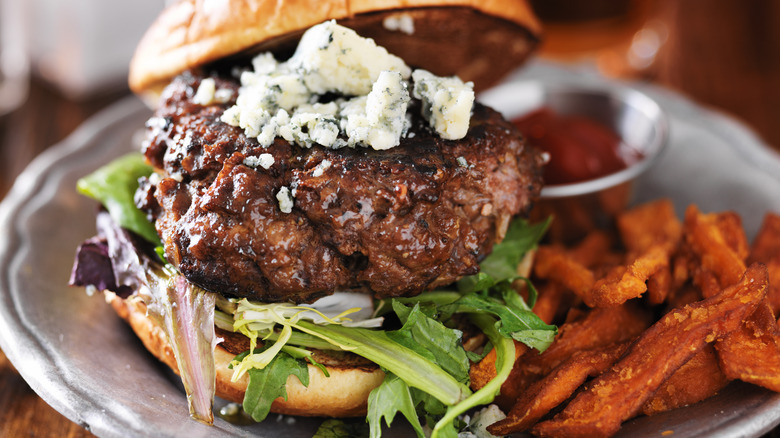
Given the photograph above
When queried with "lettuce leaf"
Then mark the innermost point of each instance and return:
(520, 238)
(267, 384)
(515, 319)
(502, 263)
(186, 314)
(375, 345)
(505, 359)
(431, 339)
(338, 428)
(385, 401)
(114, 185)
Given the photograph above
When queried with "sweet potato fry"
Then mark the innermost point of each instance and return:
(706, 281)
(553, 301)
(708, 242)
(659, 286)
(766, 245)
(730, 226)
(556, 265)
(752, 353)
(686, 295)
(598, 328)
(555, 388)
(766, 249)
(698, 379)
(627, 282)
(649, 224)
(593, 249)
(683, 264)
(620, 393)
(651, 232)
(484, 371)
(773, 294)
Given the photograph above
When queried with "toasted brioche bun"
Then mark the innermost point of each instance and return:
(343, 394)
(478, 40)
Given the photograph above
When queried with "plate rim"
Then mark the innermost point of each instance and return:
(38, 175)
(30, 181)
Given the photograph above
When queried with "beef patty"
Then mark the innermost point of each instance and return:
(393, 222)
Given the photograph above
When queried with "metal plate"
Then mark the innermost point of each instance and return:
(89, 366)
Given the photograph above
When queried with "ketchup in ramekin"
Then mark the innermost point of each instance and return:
(580, 149)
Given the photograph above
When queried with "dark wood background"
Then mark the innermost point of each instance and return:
(724, 54)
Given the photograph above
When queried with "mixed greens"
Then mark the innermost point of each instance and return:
(426, 366)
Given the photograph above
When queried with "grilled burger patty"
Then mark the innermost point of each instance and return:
(393, 222)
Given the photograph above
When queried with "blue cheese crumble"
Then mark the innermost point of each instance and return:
(447, 103)
(264, 160)
(285, 199)
(379, 120)
(321, 168)
(399, 22)
(333, 58)
(282, 99)
(208, 93)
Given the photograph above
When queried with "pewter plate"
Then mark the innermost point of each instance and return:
(89, 366)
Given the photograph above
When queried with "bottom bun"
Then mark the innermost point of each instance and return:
(343, 394)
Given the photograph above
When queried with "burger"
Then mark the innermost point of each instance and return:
(321, 220)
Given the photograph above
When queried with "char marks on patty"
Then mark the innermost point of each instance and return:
(393, 222)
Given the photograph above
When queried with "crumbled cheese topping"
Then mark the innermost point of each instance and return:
(155, 178)
(482, 419)
(321, 168)
(402, 22)
(205, 93)
(333, 58)
(285, 199)
(223, 95)
(379, 120)
(282, 99)
(208, 93)
(264, 160)
(447, 103)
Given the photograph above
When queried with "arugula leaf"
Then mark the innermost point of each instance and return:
(431, 339)
(511, 297)
(520, 238)
(476, 357)
(403, 312)
(114, 185)
(267, 384)
(516, 320)
(505, 358)
(386, 400)
(375, 345)
(338, 428)
(427, 405)
(475, 283)
(502, 263)
(429, 299)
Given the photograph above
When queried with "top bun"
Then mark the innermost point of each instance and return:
(477, 40)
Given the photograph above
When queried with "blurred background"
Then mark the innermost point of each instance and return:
(63, 61)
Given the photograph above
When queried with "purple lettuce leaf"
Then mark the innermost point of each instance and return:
(126, 264)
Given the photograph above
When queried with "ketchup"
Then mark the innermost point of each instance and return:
(580, 149)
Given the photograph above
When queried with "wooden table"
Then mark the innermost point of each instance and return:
(734, 70)
(45, 119)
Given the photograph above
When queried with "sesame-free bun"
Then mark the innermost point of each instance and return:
(478, 40)
(343, 394)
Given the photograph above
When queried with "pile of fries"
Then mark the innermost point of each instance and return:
(654, 315)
